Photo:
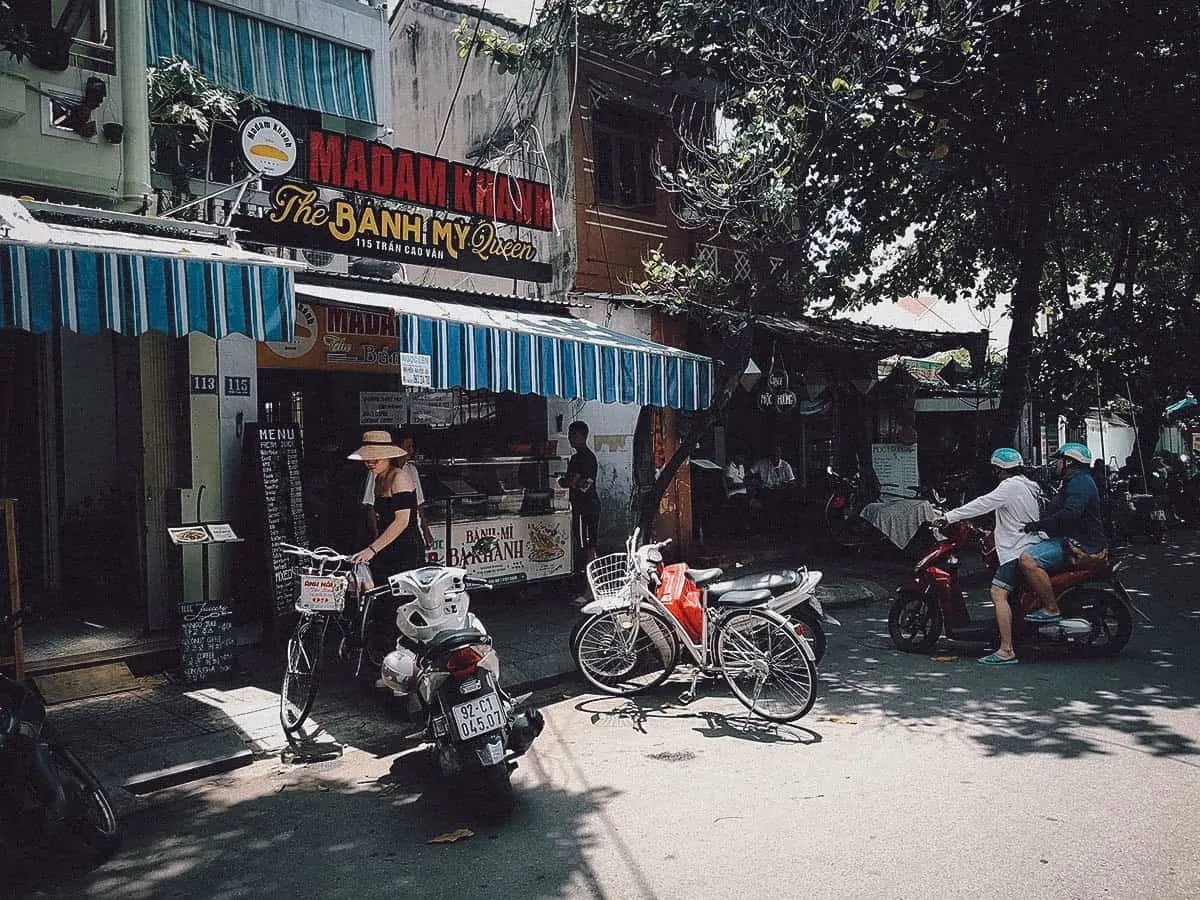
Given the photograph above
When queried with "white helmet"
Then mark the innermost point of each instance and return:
(1006, 458)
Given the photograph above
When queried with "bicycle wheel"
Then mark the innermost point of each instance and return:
(621, 656)
(767, 666)
(299, 687)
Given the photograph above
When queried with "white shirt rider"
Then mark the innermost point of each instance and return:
(1015, 501)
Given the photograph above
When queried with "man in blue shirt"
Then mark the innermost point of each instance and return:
(1072, 517)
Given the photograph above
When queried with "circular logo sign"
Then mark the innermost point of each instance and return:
(268, 146)
(306, 335)
(785, 400)
(777, 381)
(766, 401)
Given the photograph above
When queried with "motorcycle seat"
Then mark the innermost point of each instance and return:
(776, 582)
(744, 599)
(702, 577)
(453, 639)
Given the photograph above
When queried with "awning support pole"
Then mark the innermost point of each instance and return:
(225, 190)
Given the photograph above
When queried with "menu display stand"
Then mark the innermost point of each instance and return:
(207, 644)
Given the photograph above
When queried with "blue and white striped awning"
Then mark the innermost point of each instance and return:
(479, 348)
(88, 280)
(264, 59)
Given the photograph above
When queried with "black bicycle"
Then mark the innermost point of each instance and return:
(330, 595)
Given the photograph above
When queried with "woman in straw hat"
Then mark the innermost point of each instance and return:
(399, 545)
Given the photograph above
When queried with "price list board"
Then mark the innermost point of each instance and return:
(206, 641)
(275, 461)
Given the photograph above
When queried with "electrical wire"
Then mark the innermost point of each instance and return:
(462, 74)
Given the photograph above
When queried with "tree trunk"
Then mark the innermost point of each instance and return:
(734, 363)
(1026, 303)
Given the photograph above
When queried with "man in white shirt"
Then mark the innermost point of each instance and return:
(774, 472)
(776, 483)
(1016, 502)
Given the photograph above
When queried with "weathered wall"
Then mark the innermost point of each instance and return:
(474, 122)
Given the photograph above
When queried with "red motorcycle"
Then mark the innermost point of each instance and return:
(1097, 611)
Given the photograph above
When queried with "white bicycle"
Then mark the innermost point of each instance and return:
(645, 615)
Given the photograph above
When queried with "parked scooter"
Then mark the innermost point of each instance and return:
(445, 667)
(1183, 493)
(1130, 515)
(46, 792)
(1095, 606)
(793, 594)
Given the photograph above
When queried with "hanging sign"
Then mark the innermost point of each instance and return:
(416, 370)
(335, 339)
(777, 380)
(298, 217)
(395, 204)
(785, 400)
(268, 146)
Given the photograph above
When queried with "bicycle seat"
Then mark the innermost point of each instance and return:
(453, 639)
(776, 582)
(701, 577)
(744, 599)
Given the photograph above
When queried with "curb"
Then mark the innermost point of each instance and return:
(172, 776)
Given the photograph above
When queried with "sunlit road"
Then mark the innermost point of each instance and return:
(912, 777)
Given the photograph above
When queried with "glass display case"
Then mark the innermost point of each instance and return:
(492, 486)
(502, 518)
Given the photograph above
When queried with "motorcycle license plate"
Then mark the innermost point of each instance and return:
(478, 716)
(1158, 515)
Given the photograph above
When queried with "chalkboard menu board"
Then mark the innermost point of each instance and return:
(275, 459)
(206, 641)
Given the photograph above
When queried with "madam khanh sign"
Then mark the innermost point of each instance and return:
(336, 339)
(463, 229)
(369, 167)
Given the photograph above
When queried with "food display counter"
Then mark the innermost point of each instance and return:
(501, 518)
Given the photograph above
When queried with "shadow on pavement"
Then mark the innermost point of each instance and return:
(662, 703)
(319, 831)
(1052, 704)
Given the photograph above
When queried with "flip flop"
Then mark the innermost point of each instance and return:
(1040, 616)
(995, 659)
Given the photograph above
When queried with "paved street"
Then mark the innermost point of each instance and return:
(912, 777)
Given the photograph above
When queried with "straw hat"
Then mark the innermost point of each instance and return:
(377, 445)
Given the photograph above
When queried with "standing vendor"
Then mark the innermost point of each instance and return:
(585, 502)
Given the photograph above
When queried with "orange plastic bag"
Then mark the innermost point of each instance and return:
(680, 595)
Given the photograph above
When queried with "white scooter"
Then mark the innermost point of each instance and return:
(444, 662)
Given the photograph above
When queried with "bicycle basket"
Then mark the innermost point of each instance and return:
(608, 576)
(323, 592)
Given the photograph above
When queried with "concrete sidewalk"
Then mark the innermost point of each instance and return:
(166, 733)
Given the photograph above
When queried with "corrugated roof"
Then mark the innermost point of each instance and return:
(485, 298)
(870, 340)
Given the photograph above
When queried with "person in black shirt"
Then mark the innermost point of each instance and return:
(585, 502)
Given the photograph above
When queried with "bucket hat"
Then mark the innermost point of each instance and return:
(377, 445)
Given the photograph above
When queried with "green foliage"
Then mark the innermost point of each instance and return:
(534, 50)
(181, 95)
(506, 55)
